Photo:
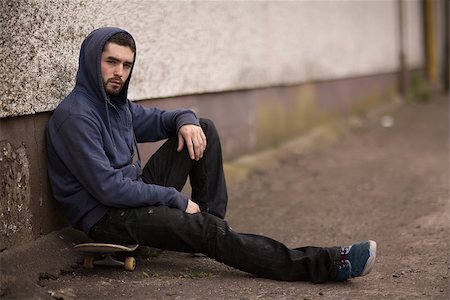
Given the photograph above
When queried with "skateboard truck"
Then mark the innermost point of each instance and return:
(105, 252)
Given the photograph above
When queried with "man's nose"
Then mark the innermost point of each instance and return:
(118, 71)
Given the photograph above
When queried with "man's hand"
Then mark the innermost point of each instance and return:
(194, 138)
(192, 207)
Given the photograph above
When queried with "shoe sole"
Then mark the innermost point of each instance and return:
(371, 261)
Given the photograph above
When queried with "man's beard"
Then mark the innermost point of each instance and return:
(113, 91)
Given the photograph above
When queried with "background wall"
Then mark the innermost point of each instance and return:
(263, 71)
(197, 47)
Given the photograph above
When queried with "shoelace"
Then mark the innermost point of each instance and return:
(343, 259)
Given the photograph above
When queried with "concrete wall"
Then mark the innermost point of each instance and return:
(263, 71)
(197, 47)
(26, 208)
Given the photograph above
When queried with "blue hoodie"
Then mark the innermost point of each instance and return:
(90, 144)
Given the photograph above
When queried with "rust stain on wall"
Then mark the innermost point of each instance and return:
(15, 214)
(278, 121)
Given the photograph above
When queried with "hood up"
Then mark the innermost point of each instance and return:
(89, 75)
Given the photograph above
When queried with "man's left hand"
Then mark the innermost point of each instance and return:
(194, 138)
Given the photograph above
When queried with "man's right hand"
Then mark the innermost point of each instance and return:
(192, 207)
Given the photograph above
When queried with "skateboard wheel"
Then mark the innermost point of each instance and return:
(130, 264)
(88, 262)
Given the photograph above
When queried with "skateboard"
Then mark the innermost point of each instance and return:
(101, 254)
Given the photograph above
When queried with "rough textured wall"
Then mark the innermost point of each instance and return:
(38, 56)
(15, 214)
(197, 47)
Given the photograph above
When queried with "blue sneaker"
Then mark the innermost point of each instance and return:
(356, 260)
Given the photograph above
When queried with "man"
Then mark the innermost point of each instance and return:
(92, 137)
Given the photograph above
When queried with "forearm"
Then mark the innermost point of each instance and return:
(153, 124)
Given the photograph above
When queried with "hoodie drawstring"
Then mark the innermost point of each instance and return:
(135, 145)
(109, 123)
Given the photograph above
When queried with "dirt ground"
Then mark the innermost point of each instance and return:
(389, 184)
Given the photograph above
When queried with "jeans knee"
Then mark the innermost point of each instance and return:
(215, 234)
(209, 129)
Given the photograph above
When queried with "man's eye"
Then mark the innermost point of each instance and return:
(111, 62)
(127, 66)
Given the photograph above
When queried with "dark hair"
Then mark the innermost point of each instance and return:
(123, 39)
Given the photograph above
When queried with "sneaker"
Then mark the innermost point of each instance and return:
(356, 260)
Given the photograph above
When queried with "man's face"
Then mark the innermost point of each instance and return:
(116, 66)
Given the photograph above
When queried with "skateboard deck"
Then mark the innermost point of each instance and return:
(101, 254)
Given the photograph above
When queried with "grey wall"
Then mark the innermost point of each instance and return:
(197, 47)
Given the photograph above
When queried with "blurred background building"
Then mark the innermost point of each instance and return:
(264, 71)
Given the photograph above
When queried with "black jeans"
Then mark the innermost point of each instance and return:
(207, 232)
